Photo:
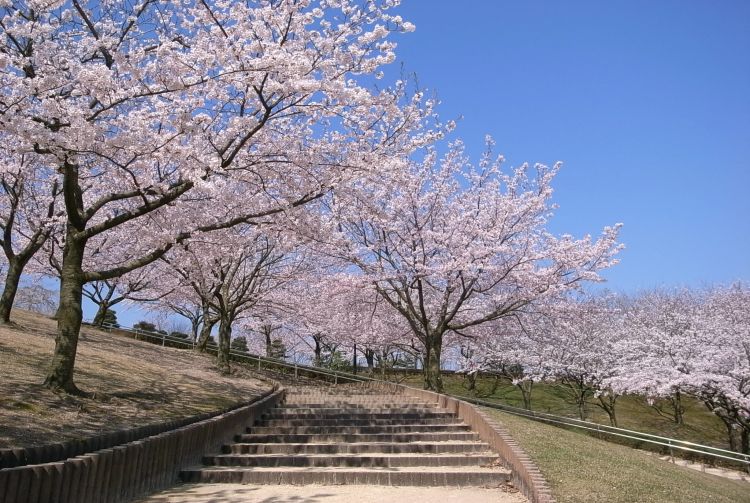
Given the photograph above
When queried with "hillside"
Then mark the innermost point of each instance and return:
(582, 468)
(701, 426)
(134, 383)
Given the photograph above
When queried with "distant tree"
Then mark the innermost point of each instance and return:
(278, 349)
(35, 297)
(240, 344)
(110, 319)
(145, 326)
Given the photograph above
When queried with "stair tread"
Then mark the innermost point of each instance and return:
(401, 469)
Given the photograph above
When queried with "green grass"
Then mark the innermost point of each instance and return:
(580, 468)
(701, 426)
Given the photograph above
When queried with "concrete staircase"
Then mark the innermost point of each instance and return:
(352, 435)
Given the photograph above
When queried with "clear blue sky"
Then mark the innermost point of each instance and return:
(647, 103)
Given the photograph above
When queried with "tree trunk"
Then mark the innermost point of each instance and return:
(607, 403)
(12, 278)
(525, 387)
(225, 336)
(581, 403)
(70, 314)
(267, 333)
(208, 326)
(433, 378)
(370, 359)
(318, 351)
(101, 312)
(677, 407)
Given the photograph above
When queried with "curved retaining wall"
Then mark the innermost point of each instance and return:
(526, 475)
(61, 451)
(124, 472)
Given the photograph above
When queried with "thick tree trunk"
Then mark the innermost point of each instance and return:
(70, 314)
(370, 359)
(433, 378)
(101, 312)
(678, 409)
(12, 278)
(225, 336)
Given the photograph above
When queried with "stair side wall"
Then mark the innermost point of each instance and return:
(131, 470)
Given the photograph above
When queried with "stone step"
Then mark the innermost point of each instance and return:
(380, 421)
(402, 428)
(356, 437)
(323, 407)
(356, 448)
(358, 460)
(317, 403)
(426, 476)
(354, 413)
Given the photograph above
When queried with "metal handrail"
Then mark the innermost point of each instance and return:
(671, 443)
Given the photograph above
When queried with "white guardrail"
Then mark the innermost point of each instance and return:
(336, 376)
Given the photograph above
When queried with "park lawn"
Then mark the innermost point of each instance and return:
(581, 468)
(701, 426)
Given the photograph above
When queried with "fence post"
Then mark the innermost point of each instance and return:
(335, 378)
(295, 370)
(671, 452)
(259, 363)
(163, 337)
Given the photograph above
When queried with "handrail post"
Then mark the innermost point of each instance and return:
(295, 370)
(335, 378)
(671, 451)
(258, 362)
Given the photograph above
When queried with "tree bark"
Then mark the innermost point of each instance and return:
(677, 407)
(225, 336)
(70, 315)
(525, 387)
(370, 359)
(318, 351)
(607, 403)
(208, 326)
(12, 278)
(433, 347)
(101, 312)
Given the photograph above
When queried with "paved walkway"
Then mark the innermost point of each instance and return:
(237, 493)
(727, 473)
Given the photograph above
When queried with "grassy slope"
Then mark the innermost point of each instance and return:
(580, 468)
(136, 383)
(632, 412)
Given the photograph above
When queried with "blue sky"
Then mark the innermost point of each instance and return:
(647, 103)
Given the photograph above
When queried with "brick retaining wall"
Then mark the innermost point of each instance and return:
(124, 472)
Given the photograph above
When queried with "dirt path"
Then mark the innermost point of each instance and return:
(236, 493)
(136, 383)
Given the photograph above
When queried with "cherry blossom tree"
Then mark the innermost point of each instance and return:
(450, 246)
(110, 292)
(28, 192)
(662, 341)
(720, 377)
(152, 108)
